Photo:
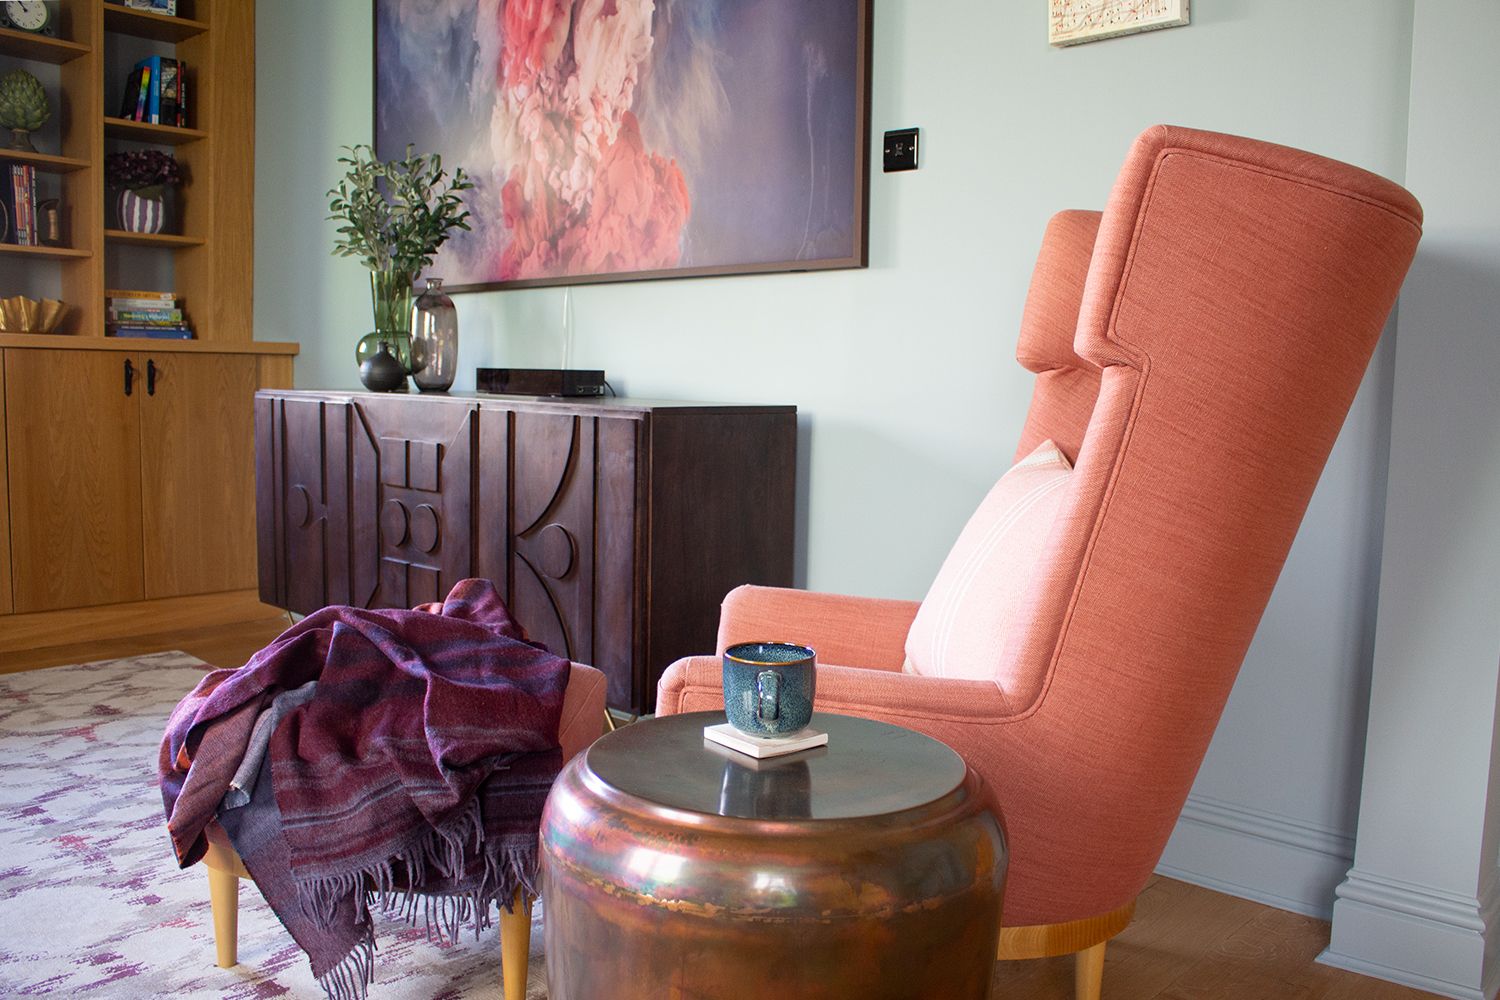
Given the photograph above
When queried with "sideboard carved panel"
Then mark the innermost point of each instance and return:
(302, 501)
(552, 531)
(413, 493)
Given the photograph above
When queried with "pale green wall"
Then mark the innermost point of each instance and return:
(1425, 884)
(904, 373)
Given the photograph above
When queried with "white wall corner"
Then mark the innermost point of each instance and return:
(1257, 855)
(1419, 936)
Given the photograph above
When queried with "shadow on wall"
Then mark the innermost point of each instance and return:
(804, 493)
(1445, 440)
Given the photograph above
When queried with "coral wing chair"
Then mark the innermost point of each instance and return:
(1196, 349)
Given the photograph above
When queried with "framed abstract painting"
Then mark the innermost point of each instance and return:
(615, 140)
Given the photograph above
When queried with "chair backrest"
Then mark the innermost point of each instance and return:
(1198, 375)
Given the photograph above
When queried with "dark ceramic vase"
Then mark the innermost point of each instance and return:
(382, 372)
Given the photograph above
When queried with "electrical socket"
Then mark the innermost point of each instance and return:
(901, 150)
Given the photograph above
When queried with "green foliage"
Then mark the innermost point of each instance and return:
(396, 214)
(23, 103)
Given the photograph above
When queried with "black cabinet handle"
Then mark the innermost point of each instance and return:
(129, 376)
(150, 376)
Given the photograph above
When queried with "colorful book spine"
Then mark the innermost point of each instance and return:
(146, 315)
(182, 94)
(144, 90)
(23, 201)
(13, 199)
(168, 91)
(18, 205)
(157, 333)
(29, 181)
(145, 294)
(153, 99)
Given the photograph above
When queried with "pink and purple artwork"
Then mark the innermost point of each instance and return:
(620, 139)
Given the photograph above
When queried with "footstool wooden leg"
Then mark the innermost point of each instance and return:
(515, 945)
(1088, 972)
(224, 899)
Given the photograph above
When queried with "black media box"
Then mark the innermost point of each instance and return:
(540, 381)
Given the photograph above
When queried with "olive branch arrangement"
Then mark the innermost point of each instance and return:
(397, 213)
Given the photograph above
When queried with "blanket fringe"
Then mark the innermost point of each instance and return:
(509, 864)
(351, 978)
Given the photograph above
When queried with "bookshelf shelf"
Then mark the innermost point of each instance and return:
(40, 48)
(148, 24)
(151, 239)
(165, 135)
(64, 252)
(44, 162)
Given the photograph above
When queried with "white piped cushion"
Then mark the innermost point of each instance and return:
(961, 626)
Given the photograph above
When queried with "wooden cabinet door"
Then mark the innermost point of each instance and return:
(198, 473)
(302, 506)
(73, 439)
(412, 486)
(5, 598)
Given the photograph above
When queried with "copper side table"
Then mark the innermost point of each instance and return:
(674, 869)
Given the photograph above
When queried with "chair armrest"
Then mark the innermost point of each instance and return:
(855, 631)
(696, 684)
(582, 720)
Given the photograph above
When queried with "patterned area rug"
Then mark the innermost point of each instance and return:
(92, 903)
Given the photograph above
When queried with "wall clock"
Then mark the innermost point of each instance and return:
(34, 16)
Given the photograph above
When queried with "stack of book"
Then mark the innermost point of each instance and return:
(18, 205)
(156, 92)
(144, 314)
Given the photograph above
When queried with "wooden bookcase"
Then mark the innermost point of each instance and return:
(122, 506)
(210, 255)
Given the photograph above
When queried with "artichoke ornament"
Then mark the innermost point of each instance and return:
(23, 106)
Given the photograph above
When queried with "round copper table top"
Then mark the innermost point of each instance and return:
(867, 769)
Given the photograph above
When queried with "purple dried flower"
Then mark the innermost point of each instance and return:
(140, 168)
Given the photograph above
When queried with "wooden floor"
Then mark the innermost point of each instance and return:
(220, 645)
(1190, 943)
(1186, 943)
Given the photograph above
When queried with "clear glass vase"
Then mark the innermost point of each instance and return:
(434, 338)
(390, 300)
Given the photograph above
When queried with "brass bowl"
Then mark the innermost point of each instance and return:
(19, 314)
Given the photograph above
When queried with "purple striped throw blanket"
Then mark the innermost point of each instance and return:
(413, 778)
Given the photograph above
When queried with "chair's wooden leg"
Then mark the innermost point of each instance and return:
(224, 900)
(515, 945)
(1088, 972)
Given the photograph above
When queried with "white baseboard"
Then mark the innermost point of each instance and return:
(1415, 935)
(1276, 860)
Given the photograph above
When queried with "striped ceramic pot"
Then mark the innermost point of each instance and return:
(143, 210)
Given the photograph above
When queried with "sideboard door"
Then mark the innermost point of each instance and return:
(552, 531)
(413, 484)
(302, 502)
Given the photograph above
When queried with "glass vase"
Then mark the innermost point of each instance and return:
(434, 338)
(390, 300)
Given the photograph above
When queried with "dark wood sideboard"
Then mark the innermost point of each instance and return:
(613, 528)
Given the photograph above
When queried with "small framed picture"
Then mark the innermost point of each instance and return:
(155, 6)
(1073, 21)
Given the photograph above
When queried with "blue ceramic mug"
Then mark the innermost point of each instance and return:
(769, 687)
